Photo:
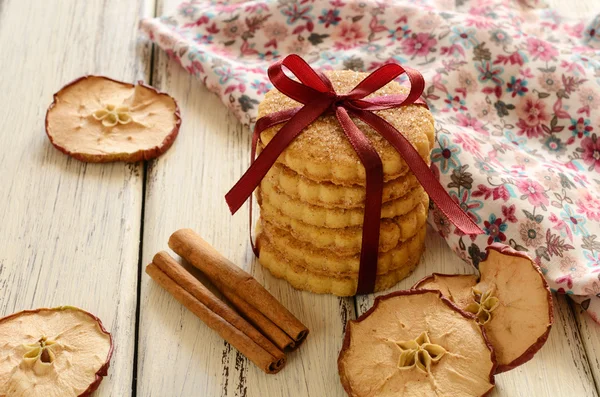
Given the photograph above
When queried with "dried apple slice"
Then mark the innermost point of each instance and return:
(510, 299)
(63, 352)
(97, 119)
(416, 343)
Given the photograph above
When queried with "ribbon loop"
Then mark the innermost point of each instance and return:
(312, 85)
(315, 91)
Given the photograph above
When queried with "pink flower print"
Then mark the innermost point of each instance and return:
(233, 29)
(195, 68)
(399, 33)
(594, 261)
(226, 74)
(523, 160)
(275, 31)
(298, 47)
(203, 38)
(580, 127)
(495, 228)
(330, 17)
(590, 149)
(455, 103)
(480, 23)
(588, 205)
(295, 12)
(419, 44)
(541, 49)
(484, 111)
(467, 142)
(532, 113)
(470, 122)
(429, 22)
(533, 192)
(550, 82)
(589, 98)
(467, 81)
(488, 72)
(348, 35)
(260, 86)
(509, 213)
(569, 265)
(548, 179)
(531, 233)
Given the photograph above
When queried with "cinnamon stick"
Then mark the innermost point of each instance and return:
(231, 334)
(221, 271)
(266, 326)
(191, 284)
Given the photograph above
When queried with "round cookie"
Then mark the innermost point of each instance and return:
(326, 262)
(327, 194)
(333, 217)
(299, 277)
(322, 151)
(347, 241)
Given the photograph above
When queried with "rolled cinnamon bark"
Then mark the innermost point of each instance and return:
(255, 317)
(231, 334)
(220, 270)
(188, 282)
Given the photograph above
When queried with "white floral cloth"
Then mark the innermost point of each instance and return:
(514, 88)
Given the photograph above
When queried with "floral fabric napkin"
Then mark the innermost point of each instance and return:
(514, 88)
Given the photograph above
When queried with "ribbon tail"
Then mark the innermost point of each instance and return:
(369, 252)
(419, 167)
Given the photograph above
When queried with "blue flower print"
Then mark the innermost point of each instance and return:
(446, 154)
(574, 221)
(464, 36)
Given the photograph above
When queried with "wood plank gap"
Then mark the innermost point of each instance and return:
(138, 306)
(139, 280)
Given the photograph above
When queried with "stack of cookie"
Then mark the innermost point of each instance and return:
(312, 199)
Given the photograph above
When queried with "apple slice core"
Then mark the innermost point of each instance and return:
(97, 119)
(63, 352)
(511, 300)
(415, 343)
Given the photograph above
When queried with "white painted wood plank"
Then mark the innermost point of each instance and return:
(560, 367)
(70, 231)
(185, 188)
(590, 336)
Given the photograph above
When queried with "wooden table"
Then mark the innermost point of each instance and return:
(80, 234)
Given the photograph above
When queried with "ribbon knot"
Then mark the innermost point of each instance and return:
(317, 95)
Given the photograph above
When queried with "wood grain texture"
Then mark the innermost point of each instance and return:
(70, 231)
(590, 336)
(185, 188)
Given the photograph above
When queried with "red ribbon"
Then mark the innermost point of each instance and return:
(316, 93)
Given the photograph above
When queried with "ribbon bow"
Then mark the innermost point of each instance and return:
(315, 91)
